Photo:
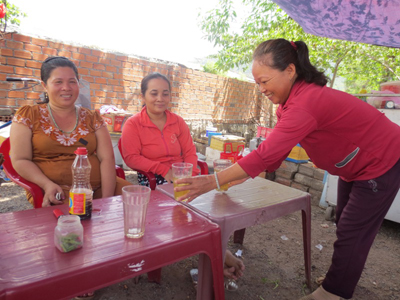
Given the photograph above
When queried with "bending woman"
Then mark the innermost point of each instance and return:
(341, 134)
(44, 137)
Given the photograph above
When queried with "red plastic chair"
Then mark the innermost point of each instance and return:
(34, 189)
(152, 178)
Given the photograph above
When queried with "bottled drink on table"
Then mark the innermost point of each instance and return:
(81, 193)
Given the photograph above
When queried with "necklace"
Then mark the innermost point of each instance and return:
(52, 118)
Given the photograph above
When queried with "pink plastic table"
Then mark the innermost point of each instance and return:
(32, 267)
(255, 201)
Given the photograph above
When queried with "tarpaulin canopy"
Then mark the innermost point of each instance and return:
(374, 22)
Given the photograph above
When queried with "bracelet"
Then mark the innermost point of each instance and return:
(216, 180)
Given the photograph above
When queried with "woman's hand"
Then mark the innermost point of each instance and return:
(50, 193)
(203, 184)
(196, 185)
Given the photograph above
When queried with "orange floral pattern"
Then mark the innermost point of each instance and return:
(50, 130)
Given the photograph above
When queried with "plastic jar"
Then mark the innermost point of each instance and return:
(68, 234)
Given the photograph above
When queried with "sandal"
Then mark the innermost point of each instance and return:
(89, 295)
(230, 285)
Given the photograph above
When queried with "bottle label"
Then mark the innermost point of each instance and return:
(77, 203)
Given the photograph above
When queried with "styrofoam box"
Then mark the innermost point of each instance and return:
(212, 154)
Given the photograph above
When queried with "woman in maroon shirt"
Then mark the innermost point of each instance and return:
(341, 134)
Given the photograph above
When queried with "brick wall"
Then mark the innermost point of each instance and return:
(115, 80)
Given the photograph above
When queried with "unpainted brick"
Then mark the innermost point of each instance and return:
(307, 169)
(303, 179)
(283, 181)
(7, 69)
(285, 173)
(33, 64)
(23, 54)
(319, 174)
(299, 186)
(66, 54)
(7, 101)
(23, 71)
(317, 185)
(288, 165)
(16, 94)
(49, 51)
(14, 45)
(39, 42)
(33, 48)
(33, 95)
(21, 38)
(6, 52)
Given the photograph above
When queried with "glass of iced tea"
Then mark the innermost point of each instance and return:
(181, 170)
(219, 165)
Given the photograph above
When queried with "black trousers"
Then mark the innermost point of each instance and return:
(360, 211)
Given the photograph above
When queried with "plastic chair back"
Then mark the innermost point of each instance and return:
(8, 168)
(232, 156)
(34, 189)
(203, 167)
(151, 177)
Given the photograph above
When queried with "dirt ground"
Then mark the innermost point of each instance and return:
(273, 255)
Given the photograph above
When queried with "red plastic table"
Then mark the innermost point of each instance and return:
(255, 201)
(32, 267)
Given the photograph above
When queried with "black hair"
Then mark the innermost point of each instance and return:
(145, 81)
(283, 53)
(54, 62)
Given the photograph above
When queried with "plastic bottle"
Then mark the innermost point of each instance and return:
(81, 193)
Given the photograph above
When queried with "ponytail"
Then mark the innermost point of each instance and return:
(305, 70)
(281, 53)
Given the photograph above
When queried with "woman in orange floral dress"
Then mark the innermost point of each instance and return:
(44, 137)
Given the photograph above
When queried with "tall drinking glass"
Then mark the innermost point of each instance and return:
(181, 170)
(135, 199)
(219, 165)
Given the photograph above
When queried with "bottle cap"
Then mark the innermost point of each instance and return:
(57, 213)
(81, 151)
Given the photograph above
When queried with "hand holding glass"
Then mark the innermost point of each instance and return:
(219, 165)
(135, 199)
(181, 170)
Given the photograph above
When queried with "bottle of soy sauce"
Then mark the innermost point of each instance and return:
(81, 193)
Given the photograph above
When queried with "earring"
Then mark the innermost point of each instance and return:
(46, 96)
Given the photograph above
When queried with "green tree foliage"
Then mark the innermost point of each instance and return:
(210, 67)
(13, 16)
(237, 35)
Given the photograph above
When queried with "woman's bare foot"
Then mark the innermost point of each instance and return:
(321, 294)
(234, 266)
